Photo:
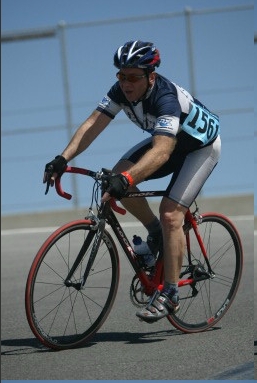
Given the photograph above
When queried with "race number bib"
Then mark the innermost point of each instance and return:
(201, 124)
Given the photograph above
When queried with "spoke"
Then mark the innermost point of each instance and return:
(56, 306)
(65, 315)
(47, 295)
(214, 295)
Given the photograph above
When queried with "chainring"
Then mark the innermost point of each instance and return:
(137, 295)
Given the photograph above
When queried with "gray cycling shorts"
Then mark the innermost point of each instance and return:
(189, 171)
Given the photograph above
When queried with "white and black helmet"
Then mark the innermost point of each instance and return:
(137, 54)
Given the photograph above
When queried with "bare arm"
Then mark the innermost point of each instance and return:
(153, 159)
(83, 137)
(86, 134)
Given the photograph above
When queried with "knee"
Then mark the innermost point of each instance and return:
(172, 216)
(171, 221)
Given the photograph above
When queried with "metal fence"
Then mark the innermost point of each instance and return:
(47, 124)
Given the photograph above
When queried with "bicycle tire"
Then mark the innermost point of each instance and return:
(63, 317)
(215, 295)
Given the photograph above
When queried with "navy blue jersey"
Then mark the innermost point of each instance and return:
(167, 110)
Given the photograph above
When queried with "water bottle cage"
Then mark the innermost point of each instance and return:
(141, 261)
(146, 260)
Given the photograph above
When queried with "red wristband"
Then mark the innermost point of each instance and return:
(129, 178)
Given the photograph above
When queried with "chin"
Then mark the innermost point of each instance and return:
(131, 99)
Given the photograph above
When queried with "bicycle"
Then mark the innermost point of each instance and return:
(73, 280)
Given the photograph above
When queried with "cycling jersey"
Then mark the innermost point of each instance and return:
(168, 110)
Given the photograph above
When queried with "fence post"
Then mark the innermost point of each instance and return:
(188, 12)
(65, 75)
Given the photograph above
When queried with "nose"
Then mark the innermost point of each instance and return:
(126, 85)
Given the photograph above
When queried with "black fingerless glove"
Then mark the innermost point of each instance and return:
(58, 165)
(117, 185)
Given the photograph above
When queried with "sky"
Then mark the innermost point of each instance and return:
(34, 118)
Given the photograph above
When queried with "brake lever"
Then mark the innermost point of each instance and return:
(49, 182)
(47, 187)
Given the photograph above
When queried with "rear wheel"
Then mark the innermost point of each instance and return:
(62, 316)
(202, 305)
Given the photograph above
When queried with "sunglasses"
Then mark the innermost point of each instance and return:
(130, 77)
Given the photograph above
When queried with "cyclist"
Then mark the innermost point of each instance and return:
(184, 141)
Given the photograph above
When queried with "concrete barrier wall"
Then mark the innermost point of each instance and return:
(230, 206)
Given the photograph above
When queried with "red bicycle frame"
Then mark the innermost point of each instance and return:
(150, 282)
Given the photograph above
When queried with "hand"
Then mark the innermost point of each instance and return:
(117, 186)
(54, 169)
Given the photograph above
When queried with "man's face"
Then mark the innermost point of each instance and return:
(133, 91)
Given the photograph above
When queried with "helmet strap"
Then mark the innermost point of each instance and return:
(147, 89)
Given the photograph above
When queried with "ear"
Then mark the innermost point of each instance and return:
(152, 76)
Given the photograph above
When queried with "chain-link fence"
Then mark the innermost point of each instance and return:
(74, 63)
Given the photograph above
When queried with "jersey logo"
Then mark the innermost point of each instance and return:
(105, 101)
(163, 122)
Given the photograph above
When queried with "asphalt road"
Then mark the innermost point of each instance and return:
(125, 348)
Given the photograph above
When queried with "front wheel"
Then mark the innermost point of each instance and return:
(63, 315)
(204, 303)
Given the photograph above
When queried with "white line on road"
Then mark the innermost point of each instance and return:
(38, 230)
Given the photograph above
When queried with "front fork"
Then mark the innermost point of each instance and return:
(97, 234)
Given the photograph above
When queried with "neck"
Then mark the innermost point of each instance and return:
(145, 95)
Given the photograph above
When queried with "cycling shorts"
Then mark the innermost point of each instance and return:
(189, 170)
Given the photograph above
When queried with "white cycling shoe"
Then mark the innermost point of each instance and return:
(158, 309)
